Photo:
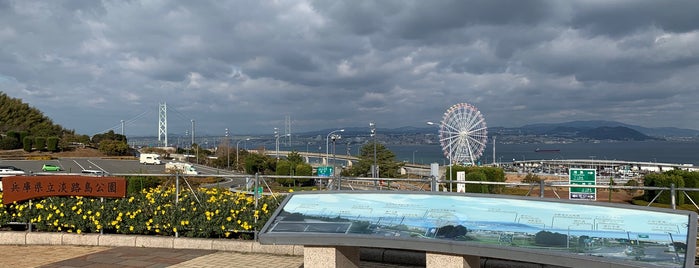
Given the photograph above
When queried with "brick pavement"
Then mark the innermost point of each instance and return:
(66, 256)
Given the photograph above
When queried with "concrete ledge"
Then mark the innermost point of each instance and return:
(273, 249)
(13, 238)
(44, 239)
(192, 243)
(298, 250)
(154, 241)
(232, 245)
(81, 239)
(113, 240)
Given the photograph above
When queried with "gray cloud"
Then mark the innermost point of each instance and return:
(246, 65)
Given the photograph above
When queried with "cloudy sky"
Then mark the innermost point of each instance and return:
(248, 65)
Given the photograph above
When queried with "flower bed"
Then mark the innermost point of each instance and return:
(218, 213)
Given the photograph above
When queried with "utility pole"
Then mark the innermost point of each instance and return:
(375, 168)
(494, 150)
(192, 133)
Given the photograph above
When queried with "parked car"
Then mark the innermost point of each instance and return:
(49, 167)
(10, 171)
(92, 172)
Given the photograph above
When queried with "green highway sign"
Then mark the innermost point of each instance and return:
(582, 177)
(325, 171)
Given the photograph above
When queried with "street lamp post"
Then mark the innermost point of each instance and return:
(237, 164)
(276, 144)
(414, 156)
(327, 143)
(448, 157)
(374, 169)
(228, 151)
(334, 138)
(287, 135)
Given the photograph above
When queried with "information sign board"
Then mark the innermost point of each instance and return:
(325, 171)
(548, 231)
(582, 177)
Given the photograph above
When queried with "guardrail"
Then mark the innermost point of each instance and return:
(382, 184)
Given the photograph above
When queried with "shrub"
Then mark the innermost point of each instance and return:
(27, 143)
(40, 143)
(52, 144)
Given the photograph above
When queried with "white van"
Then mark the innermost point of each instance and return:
(150, 159)
(183, 168)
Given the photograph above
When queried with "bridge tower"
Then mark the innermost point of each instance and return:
(287, 129)
(162, 124)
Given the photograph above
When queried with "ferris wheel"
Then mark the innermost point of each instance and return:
(463, 134)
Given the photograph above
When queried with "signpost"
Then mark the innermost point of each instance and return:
(325, 171)
(582, 177)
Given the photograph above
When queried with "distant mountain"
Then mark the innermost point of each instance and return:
(539, 129)
(614, 133)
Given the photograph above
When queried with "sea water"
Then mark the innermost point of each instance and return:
(674, 152)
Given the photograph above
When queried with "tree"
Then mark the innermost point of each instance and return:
(385, 159)
(662, 180)
(451, 231)
(284, 168)
(112, 147)
(304, 169)
(690, 179)
(295, 158)
(97, 138)
(259, 163)
(546, 238)
(11, 141)
(293, 165)
(492, 174)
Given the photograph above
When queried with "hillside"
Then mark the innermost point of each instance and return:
(18, 116)
(25, 127)
(614, 133)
